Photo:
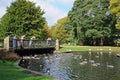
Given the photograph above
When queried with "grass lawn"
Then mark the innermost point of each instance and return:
(9, 72)
(87, 48)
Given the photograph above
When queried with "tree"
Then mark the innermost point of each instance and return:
(3, 29)
(88, 15)
(58, 30)
(115, 9)
(92, 34)
(23, 17)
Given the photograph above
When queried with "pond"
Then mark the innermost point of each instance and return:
(77, 65)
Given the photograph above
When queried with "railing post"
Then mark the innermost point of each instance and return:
(57, 46)
(6, 43)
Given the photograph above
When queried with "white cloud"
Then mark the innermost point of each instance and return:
(3, 5)
(53, 13)
(2, 11)
(66, 1)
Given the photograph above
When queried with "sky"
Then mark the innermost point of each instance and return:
(54, 9)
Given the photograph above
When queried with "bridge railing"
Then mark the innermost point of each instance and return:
(18, 44)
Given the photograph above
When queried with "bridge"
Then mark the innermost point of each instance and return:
(27, 47)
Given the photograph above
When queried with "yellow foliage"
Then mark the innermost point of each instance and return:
(113, 1)
(115, 9)
(115, 6)
(118, 25)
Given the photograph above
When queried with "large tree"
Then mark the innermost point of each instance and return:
(23, 17)
(115, 9)
(88, 16)
(58, 30)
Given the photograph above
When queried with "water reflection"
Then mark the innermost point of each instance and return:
(77, 65)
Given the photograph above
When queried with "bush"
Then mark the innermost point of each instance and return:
(2, 53)
(8, 56)
(11, 56)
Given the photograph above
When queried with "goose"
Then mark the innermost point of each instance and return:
(76, 56)
(94, 65)
(118, 55)
(98, 64)
(101, 53)
(83, 63)
(110, 52)
(91, 61)
(80, 56)
(97, 56)
(110, 66)
(90, 53)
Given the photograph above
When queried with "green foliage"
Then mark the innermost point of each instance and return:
(88, 16)
(23, 17)
(117, 42)
(58, 30)
(93, 33)
(3, 29)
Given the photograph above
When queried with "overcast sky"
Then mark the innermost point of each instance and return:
(54, 9)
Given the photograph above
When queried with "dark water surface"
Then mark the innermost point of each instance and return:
(77, 65)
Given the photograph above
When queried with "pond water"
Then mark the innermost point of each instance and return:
(77, 65)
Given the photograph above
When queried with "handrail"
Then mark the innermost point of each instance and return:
(19, 44)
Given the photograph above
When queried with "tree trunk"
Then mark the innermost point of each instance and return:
(94, 42)
(101, 41)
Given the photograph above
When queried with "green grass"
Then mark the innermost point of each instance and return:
(10, 72)
(86, 48)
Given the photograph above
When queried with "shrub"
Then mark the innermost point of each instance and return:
(8, 56)
(11, 56)
(2, 53)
